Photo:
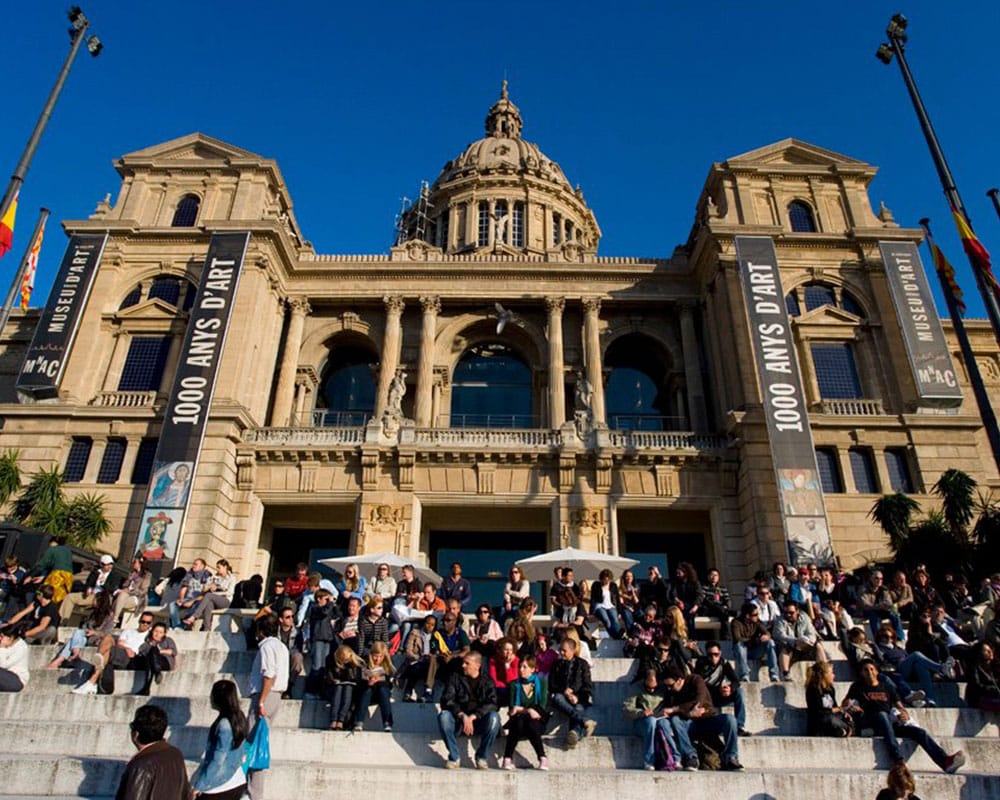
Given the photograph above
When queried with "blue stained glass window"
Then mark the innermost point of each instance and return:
(818, 294)
(111, 463)
(863, 469)
(898, 466)
(829, 471)
(167, 289)
(801, 217)
(143, 370)
(76, 461)
(836, 372)
(144, 461)
(187, 211)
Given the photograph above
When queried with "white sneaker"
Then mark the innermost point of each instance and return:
(86, 688)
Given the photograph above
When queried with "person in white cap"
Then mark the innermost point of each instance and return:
(95, 584)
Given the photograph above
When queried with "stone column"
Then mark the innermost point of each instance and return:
(592, 349)
(391, 343)
(692, 370)
(284, 394)
(117, 362)
(557, 380)
(431, 307)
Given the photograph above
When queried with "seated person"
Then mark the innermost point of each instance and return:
(43, 616)
(11, 586)
(723, 685)
(571, 690)
(191, 590)
(715, 602)
(751, 642)
(118, 653)
(95, 583)
(156, 655)
(983, 691)
(485, 632)
(823, 716)
(346, 628)
(504, 669)
(277, 601)
(14, 673)
(133, 593)
(876, 604)
(605, 604)
(858, 649)
(452, 646)
(915, 667)
(645, 709)
(420, 659)
(688, 704)
(877, 705)
(90, 633)
(796, 639)
(216, 594)
(528, 716)
(469, 700)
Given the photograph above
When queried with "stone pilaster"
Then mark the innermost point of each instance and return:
(431, 307)
(557, 380)
(285, 392)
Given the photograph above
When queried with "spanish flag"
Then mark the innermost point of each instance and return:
(978, 255)
(7, 227)
(947, 273)
(28, 281)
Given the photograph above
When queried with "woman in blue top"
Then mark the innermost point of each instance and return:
(353, 584)
(220, 775)
(528, 716)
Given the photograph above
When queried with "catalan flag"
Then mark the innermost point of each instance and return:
(947, 273)
(28, 281)
(979, 257)
(7, 228)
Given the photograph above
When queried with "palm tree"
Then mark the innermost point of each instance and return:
(10, 476)
(85, 522)
(893, 512)
(956, 488)
(933, 542)
(42, 504)
(986, 534)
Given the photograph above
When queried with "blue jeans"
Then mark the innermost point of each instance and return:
(77, 641)
(628, 618)
(754, 652)
(645, 729)
(718, 725)
(739, 708)
(918, 667)
(175, 609)
(576, 713)
(318, 651)
(609, 619)
(883, 726)
(382, 692)
(341, 698)
(486, 727)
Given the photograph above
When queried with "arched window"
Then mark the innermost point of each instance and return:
(187, 211)
(167, 289)
(792, 304)
(484, 223)
(517, 226)
(801, 217)
(442, 229)
(132, 298)
(819, 294)
(816, 295)
(636, 396)
(500, 214)
(491, 388)
(347, 387)
(556, 228)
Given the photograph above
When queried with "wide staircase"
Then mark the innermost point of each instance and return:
(57, 744)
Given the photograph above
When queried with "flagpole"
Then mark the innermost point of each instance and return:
(897, 46)
(15, 285)
(992, 194)
(78, 34)
(986, 412)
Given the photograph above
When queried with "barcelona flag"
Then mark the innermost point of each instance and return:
(979, 257)
(28, 281)
(7, 227)
(947, 273)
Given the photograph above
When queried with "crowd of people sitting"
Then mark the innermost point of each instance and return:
(356, 639)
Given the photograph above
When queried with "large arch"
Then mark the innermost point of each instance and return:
(345, 393)
(644, 389)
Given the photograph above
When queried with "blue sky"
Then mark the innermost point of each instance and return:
(635, 100)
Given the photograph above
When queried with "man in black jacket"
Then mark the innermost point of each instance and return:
(722, 683)
(470, 700)
(157, 771)
(686, 700)
(571, 690)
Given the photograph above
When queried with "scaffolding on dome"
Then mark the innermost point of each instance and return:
(411, 221)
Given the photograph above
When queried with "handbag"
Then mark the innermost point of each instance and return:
(258, 747)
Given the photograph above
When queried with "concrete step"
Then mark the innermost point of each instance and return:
(192, 640)
(419, 717)
(407, 749)
(49, 776)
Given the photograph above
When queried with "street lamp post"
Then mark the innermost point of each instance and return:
(897, 47)
(78, 35)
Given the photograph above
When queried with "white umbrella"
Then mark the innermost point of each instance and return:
(586, 564)
(369, 562)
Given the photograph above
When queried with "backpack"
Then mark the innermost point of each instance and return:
(708, 755)
(663, 756)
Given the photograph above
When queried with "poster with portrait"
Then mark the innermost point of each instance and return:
(161, 528)
(169, 484)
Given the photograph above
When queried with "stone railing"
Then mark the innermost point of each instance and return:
(125, 399)
(304, 437)
(852, 408)
(487, 437)
(665, 440)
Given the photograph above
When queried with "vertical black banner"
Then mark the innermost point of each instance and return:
(930, 362)
(803, 512)
(186, 415)
(46, 358)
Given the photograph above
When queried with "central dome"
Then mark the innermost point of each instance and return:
(502, 194)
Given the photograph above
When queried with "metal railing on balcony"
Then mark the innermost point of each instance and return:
(521, 421)
(326, 418)
(305, 437)
(487, 437)
(646, 422)
(665, 440)
(852, 407)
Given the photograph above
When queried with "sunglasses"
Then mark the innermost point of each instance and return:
(145, 622)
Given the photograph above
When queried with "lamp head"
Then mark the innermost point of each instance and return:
(884, 53)
(94, 46)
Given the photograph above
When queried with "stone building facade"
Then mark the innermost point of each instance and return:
(491, 384)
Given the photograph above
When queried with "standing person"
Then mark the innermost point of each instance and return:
(877, 701)
(220, 775)
(42, 615)
(751, 642)
(268, 680)
(216, 595)
(645, 709)
(323, 615)
(571, 691)
(132, 594)
(55, 569)
(686, 700)
(688, 594)
(528, 716)
(296, 585)
(157, 771)
(455, 586)
(723, 684)
(14, 672)
(292, 639)
(469, 699)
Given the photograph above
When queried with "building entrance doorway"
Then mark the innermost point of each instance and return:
(289, 546)
(486, 559)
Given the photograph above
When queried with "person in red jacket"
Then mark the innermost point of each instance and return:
(504, 669)
(296, 585)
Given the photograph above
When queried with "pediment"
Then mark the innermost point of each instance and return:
(828, 315)
(192, 147)
(794, 152)
(149, 309)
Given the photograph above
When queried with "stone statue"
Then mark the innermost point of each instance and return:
(584, 393)
(397, 389)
